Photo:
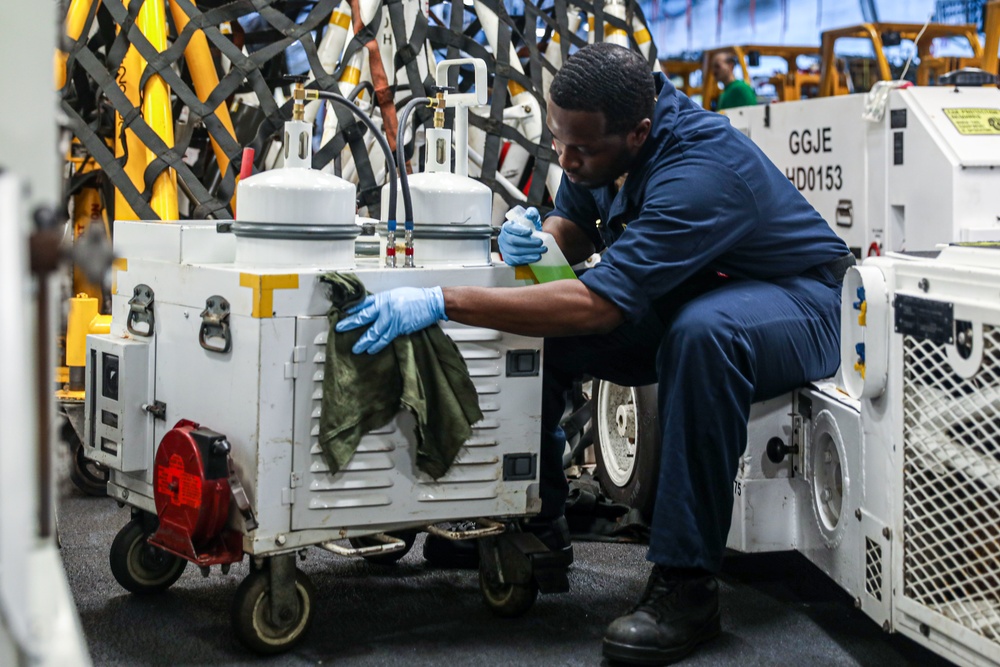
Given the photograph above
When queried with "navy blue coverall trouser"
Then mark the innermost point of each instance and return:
(714, 345)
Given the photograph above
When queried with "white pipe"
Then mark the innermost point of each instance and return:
(330, 49)
(345, 86)
(614, 34)
(462, 141)
(461, 103)
(553, 50)
(642, 36)
(506, 184)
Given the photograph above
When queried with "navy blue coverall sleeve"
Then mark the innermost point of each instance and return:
(686, 221)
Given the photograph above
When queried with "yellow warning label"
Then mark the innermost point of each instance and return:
(974, 121)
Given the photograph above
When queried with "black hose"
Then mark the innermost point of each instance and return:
(390, 164)
(363, 85)
(401, 155)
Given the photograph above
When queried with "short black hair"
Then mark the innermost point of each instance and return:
(610, 79)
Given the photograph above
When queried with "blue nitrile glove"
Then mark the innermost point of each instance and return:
(516, 243)
(395, 312)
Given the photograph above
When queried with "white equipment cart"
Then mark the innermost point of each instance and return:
(204, 401)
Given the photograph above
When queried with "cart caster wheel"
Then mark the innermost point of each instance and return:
(251, 614)
(140, 567)
(89, 476)
(507, 600)
(390, 558)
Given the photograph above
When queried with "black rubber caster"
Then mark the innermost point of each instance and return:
(507, 600)
(140, 567)
(89, 476)
(253, 620)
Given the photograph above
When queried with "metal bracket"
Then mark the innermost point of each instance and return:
(388, 544)
(140, 310)
(215, 324)
(240, 496)
(798, 439)
(489, 527)
(157, 408)
(284, 593)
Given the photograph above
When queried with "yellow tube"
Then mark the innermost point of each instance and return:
(152, 21)
(87, 211)
(101, 324)
(76, 18)
(82, 310)
(128, 79)
(206, 79)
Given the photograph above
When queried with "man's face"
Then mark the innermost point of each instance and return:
(587, 154)
(721, 68)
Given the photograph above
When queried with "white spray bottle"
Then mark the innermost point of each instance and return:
(553, 264)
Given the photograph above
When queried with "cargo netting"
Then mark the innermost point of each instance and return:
(164, 96)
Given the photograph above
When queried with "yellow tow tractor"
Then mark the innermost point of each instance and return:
(855, 57)
(686, 75)
(795, 83)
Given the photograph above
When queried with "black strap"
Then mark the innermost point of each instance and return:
(117, 30)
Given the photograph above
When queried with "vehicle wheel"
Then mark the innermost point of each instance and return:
(626, 429)
(251, 614)
(507, 600)
(391, 558)
(140, 567)
(89, 476)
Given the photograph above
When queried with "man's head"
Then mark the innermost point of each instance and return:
(723, 65)
(600, 106)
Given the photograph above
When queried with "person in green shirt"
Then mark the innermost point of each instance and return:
(737, 93)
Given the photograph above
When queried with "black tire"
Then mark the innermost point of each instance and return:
(390, 558)
(89, 476)
(627, 471)
(507, 600)
(251, 615)
(140, 567)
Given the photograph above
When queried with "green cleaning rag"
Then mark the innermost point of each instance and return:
(423, 372)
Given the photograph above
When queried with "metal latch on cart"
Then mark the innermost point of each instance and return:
(240, 496)
(845, 213)
(215, 325)
(140, 310)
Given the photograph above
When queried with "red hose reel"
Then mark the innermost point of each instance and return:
(192, 493)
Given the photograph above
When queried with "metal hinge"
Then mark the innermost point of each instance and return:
(292, 367)
(287, 494)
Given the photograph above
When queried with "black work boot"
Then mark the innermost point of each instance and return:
(678, 611)
(464, 554)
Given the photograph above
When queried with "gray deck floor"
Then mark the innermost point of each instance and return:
(778, 610)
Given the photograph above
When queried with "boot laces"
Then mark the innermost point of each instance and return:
(659, 590)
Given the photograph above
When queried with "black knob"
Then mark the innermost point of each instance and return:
(221, 447)
(777, 450)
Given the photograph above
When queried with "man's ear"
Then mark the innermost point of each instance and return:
(637, 136)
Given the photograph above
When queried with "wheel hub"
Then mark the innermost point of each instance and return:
(625, 419)
(616, 420)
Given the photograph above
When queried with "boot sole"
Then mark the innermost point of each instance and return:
(644, 655)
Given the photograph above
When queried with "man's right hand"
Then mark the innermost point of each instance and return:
(517, 245)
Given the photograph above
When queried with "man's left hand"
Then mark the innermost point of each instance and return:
(393, 313)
